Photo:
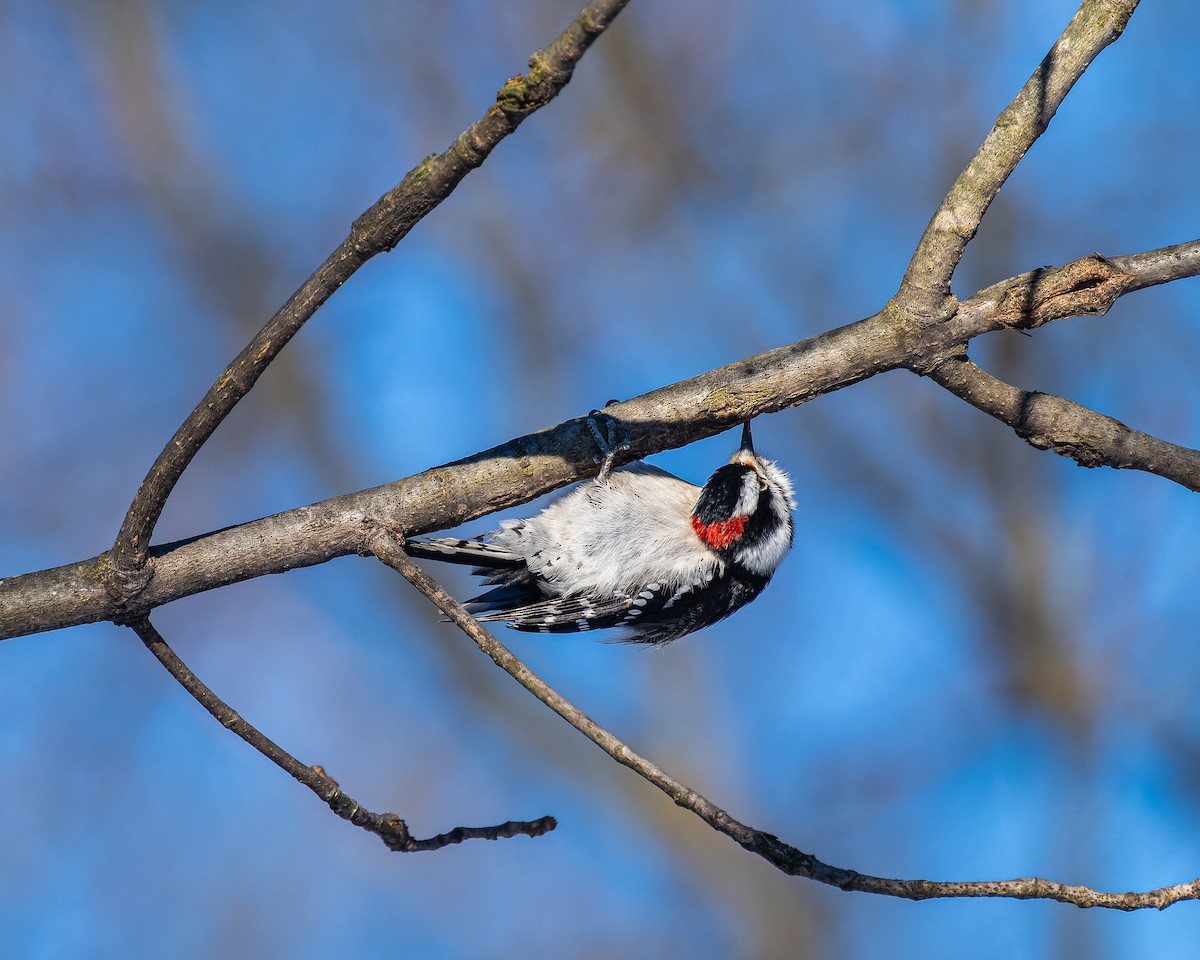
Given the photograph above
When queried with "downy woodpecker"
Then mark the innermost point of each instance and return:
(637, 548)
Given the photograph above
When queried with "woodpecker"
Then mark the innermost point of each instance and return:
(637, 548)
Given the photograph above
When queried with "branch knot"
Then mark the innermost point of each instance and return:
(1085, 286)
(124, 583)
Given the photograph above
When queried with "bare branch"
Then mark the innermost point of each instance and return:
(503, 476)
(1048, 422)
(387, 826)
(529, 466)
(926, 283)
(781, 855)
(1164, 265)
(379, 229)
(1085, 286)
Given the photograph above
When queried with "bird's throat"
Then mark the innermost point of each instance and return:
(721, 533)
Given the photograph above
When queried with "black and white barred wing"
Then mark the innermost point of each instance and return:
(652, 615)
(476, 553)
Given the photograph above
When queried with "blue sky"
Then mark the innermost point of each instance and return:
(977, 663)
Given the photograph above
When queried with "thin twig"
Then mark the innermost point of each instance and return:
(387, 826)
(379, 229)
(785, 857)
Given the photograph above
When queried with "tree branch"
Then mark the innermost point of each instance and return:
(1085, 286)
(379, 229)
(1082, 287)
(387, 826)
(926, 285)
(1048, 422)
(526, 467)
(779, 854)
(1164, 265)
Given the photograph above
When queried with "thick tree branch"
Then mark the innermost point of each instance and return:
(926, 285)
(379, 229)
(1048, 422)
(1084, 286)
(529, 466)
(503, 476)
(387, 826)
(779, 854)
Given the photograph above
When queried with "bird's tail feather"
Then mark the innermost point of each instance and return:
(473, 553)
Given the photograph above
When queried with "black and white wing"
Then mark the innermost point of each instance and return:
(655, 614)
(475, 553)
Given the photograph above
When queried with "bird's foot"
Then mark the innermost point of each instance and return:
(611, 440)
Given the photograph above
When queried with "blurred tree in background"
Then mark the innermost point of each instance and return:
(978, 663)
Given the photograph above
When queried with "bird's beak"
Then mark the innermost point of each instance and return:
(747, 440)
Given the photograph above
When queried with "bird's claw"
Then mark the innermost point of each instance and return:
(608, 441)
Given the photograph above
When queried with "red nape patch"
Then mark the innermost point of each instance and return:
(720, 534)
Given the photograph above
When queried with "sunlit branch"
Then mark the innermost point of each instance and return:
(1049, 422)
(379, 229)
(528, 466)
(926, 284)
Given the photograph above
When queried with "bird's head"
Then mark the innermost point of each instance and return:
(744, 512)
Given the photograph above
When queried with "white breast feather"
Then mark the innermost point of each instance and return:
(658, 544)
